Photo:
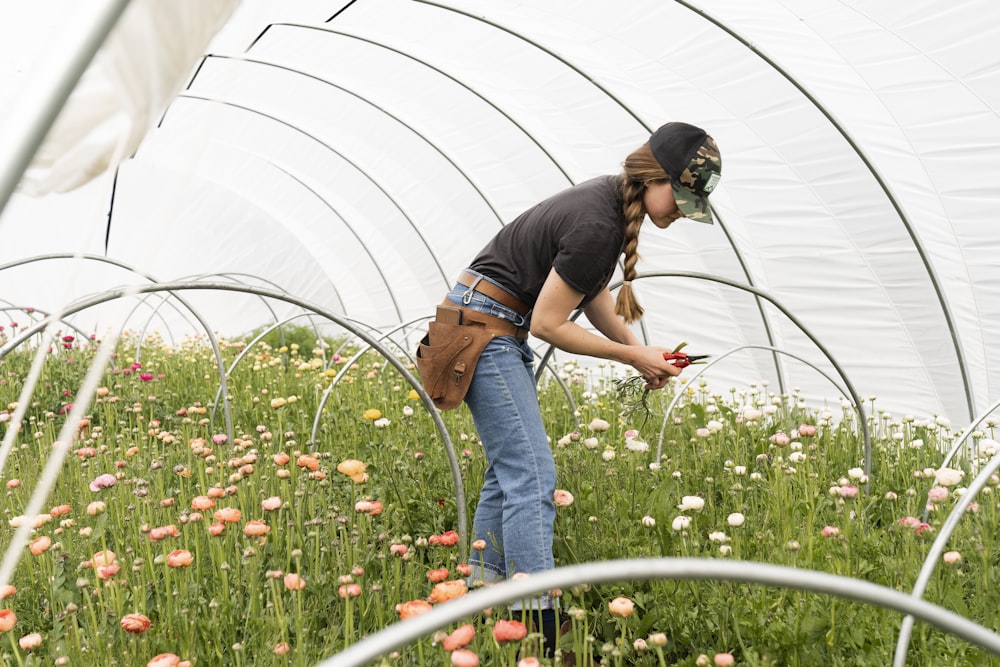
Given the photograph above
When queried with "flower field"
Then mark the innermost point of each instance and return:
(169, 541)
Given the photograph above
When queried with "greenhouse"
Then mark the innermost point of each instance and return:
(226, 229)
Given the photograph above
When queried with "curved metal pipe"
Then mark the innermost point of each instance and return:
(401, 633)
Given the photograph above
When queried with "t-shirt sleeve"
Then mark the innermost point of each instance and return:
(585, 259)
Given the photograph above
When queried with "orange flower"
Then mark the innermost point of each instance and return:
(135, 624)
(448, 590)
(163, 532)
(412, 608)
(256, 528)
(354, 469)
(622, 607)
(59, 510)
(349, 590)
(509, 631)
(464, 569)
(479, 545)
(106, 557)
(228, 515)
(164, 660)
(7, 591)
(202, 503)
(459, 638)
(438, 575)
(8, 619)
(463, 657)
(216, 492)
(40, 545)
(179, 558)
(446, 539)
(308, 462)
(281, 458)
(281, 648)
(271, 504)
(294, 582)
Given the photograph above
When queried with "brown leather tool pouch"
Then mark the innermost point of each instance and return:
(448, 353)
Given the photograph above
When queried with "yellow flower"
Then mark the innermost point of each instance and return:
(354, 469)
(413, 395)
(373, 414)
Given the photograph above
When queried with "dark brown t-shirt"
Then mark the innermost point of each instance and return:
(579, 232)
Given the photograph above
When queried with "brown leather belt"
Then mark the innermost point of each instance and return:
(495, 325)
(484, 286)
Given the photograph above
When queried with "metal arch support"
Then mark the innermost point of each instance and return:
(965, 436)
(69, 324)
(341, 321)
(877, 175)
(937, 548)
(401, 633)
(717, 359)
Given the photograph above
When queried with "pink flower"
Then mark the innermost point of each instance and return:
(937, 494)
(509, 631)
(8, 619)
(398, 549)
(848, 491)
(281, 648)
(40, 545)
(102, 482)
(460, 638)
(29, 642)
(724, 660)
(807, 430)
(164, 660)
(219, 439)
(135, 624)
(621, 607)
(270, 504)
(562, 498)
(780, 439)
(349, 590)
(294, 582)
(909, 522)
(830, 531)
(256, 528)
(202, 503)
(464, 658)
(145, 377)
(952, 557)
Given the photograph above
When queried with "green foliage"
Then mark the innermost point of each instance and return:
(157, 427)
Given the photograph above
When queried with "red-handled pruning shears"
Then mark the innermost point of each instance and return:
(683, 360)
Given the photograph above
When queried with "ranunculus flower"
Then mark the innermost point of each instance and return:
(412, 608)
(448, 538)
(937, 494)
(163, 532)
(256, 528)
(96, 507)
(7, 591)
(622, 607)
(463, 657)
(103, 482)
(735, 520)
(354, 469)
(281, 458)
(438, 575)
(509, 631)
(681, 523)
(105, 572)
(459, 638)
(308, 462)
(830, 531)
(40, 545)
(562, 498)
(271, 504)
(294, 582)
(598, 425)
(202, 503)
(724, 660)
(948, 476)
(281, 648)
(8, 619)
(691, 503)
(59, 510)
(658, 639)
(349, 590)
(807, 430)
(105, 557)
(952, 557)
(29, 642)
(448, 590)
(371, 414)
(135, 623)
(179, 558)
(228, 515)
(164, 660)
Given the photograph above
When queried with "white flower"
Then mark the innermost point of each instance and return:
(740, 470)
(948, 476)
(856, 473)
(718, 536)
(635, 445)
(714, 426)
(654, 466)
(735, 519)
(988, 447)
(751, 414)
(381, 422)
(598, 425)
(725, 549)
(691, 503)
(797, 457)
(648, 521)
(591, 443)
(681, 523)
(407, 411)
(756, 477)
(608, 455)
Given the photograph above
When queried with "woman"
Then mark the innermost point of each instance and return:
(556, 257)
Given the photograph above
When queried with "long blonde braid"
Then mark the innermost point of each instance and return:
(640, 167)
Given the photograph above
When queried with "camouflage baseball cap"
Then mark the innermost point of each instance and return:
(694, 164)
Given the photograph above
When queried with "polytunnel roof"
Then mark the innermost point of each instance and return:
(358, 154)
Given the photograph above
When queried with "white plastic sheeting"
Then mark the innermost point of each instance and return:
(358, 154)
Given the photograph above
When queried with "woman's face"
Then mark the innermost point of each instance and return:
(660, 205)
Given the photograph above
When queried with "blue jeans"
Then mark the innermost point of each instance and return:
(516, 514)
